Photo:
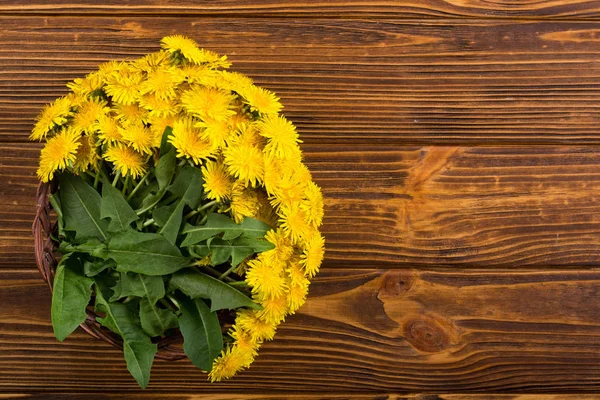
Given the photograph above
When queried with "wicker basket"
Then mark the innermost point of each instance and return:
(169, 348)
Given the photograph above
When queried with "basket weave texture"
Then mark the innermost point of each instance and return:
(169, 348)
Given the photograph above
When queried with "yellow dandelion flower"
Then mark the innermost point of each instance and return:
(261, 100)
(297, 295)
(246, 134)
(208, 103)
(108, 130)
(87, 115)
(293, 222)
(245, 344)
(237, 122)
(288, 192)
(273, 174)
(245, 163)
(258, 329)
(108, 68)
(265, 281)
(126, 160)
(189, 49)
(302, 174)
(86, 155)
(52, 115)
(216, 132)
(58, 153)
(266, 213)
(313, 204)
(124, 88)
(162, 83)
(137, 136)
(186, 46)
(150, 62)
(198, 73)
(274, 308)
(244, 202)
(158, 107)
(235, 81)
(188, 142)
(313, 254)
(88, 85)
(158, 125)
(130, 113)
(226, 365)
(283, 248)
(76, 100)
(217, 184)
(281, 134)
(295, 272)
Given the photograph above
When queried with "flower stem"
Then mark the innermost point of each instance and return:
(148, 223)
(117, 176)
(138, 186)
(170, 306)
(229, 271)
(174, 301)
(199, 210)
(238, 283)
(126, 184)
(182, 162)
(97, 178)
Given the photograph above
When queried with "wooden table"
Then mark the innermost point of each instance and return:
(456, 144)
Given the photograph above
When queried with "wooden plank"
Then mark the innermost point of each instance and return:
(361, 331)
(359, 81)
(293, 396)
(506, 206)
(545, 9)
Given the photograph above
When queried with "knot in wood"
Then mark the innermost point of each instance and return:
(425, 335)
(395, 283)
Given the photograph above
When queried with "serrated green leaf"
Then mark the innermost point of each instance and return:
(115, 207)
(142, 194)
(71, 295)
(165, 168)
(60, 220)
(223, 250)
(94, 267)
(201, 330)
(155, 320)
(236, 250)
(257, 244)
(145, 253)
(83, 204)
(92, 246)
(217, 224)
(139, 285)
(150, 201)
(187, 186)
(165, 146)
(138, 349)
(169, 219)
(202, 286)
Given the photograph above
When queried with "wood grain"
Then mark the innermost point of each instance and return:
(489, 207)
(544, 9)
(346, 81)
(362, 331)
(293, 396)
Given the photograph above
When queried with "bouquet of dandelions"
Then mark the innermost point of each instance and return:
(181, 195)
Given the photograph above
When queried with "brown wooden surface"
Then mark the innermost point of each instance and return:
(361, 331)
(489, 207)
(542, 9)
(346, 81)
(457, 146)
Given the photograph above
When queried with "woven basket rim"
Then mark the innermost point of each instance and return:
(46, 261)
